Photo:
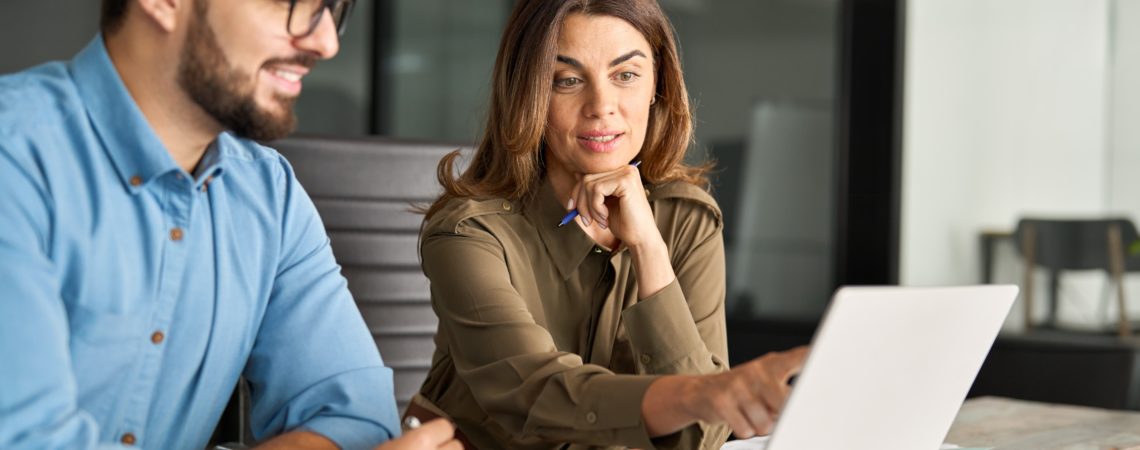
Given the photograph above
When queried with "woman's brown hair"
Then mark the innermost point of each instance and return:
(508, 162)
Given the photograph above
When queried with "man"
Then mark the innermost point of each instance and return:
(151, 252)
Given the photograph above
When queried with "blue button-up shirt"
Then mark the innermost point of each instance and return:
(133, 294)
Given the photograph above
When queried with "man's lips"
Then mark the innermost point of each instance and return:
(286, 73)
(287, 78)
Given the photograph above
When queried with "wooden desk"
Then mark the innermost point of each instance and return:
(1007, 424)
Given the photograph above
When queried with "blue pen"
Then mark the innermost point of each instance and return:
(574, 212)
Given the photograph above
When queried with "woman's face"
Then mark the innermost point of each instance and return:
(602, 88)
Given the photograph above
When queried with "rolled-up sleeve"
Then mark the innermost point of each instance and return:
(314, 365)
(38, 394)
(510, 362)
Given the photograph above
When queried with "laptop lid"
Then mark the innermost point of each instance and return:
(890, 366)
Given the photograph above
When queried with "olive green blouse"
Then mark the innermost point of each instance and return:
(542, 341)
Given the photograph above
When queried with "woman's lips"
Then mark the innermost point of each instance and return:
(601, 143)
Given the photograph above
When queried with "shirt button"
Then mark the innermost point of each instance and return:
(136, 181)
(506, 206)
(176, 234)
(597, 249)
(128, 439)
(646, 359)
(157, 337)
(591, 417)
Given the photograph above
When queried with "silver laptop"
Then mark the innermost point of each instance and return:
(890, 366)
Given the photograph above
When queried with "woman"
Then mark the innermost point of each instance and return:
(608, 331)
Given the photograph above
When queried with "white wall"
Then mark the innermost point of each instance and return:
(1124, 131)
(1004, 114)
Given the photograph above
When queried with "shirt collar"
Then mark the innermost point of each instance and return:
(210, 167)
(134, 148)
(568, 245)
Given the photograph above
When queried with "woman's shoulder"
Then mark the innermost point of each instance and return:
(686, 196)
(457, 212)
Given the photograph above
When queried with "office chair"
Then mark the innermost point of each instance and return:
(364, 190)
(1074, 244)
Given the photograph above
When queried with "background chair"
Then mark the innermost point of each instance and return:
(1049, 364)
(1060, 245)
(364, 190)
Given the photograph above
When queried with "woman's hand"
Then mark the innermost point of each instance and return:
(438, 434)
(747, 398)
(616, 200)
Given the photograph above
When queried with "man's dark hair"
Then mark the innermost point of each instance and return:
(114, 11)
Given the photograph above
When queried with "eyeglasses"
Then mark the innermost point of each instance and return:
(305, 15)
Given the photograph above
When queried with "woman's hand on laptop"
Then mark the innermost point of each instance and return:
(438, 434)
(747, 398)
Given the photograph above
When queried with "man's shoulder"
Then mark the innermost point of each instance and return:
(248, 150)
(33, 97)
(253, 158)
(38, 108)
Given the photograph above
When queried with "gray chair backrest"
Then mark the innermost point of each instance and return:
(364, 190)
(1075, 244)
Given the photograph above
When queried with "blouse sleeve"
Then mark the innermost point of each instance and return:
(681, 328)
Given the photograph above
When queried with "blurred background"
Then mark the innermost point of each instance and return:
(763, 76)
(857, 141)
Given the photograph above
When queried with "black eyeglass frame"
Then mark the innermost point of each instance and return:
(340, 17)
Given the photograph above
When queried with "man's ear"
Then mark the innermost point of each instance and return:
(164, 13)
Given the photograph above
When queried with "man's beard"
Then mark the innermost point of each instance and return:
(221, 89)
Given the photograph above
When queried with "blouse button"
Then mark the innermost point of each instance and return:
(591, 417)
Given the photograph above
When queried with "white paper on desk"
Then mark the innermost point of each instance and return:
(756, 443)
(761, 443)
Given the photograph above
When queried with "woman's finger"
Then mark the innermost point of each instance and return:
(726, 408)
(574, 196)
(599, 190)
(771, 374)
(434, 433)
(759, 417)
(582, 202)
(452, 445)
(739, 423)
(750, 403)
(596, 188)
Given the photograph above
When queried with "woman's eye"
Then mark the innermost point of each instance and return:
(627, 76)
(567, 82)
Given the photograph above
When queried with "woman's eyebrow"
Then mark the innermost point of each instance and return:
(569, 60)
(626, 57)
(616, 61)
